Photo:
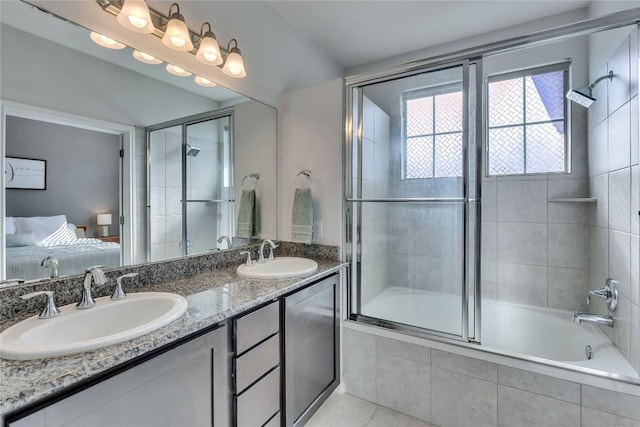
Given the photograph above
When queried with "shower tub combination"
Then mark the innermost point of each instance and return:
(510, 329)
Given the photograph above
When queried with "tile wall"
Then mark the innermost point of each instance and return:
(448, 389)
(613, 173)
(375, 183)
(534, 250)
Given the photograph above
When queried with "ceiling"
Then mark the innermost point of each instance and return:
(360, 32)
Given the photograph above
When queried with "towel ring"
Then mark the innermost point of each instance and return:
(307, 173)
(255, 176)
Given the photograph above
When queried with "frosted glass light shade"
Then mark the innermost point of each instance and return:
(105, 41)
(135, 16)
(177, 71)
(204, 82)
(104, 219)
(209, 50)
(234, 65)
(177, 36)
(146, 58)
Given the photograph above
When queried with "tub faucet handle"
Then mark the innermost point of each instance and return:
(609, 293)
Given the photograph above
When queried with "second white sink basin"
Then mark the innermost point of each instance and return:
(74, 331)
(279, 268)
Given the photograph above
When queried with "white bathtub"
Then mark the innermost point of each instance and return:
(516, 329)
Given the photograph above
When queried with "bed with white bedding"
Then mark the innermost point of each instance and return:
(30, 240)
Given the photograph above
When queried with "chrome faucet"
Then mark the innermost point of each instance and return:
(598, 319)
(609, 293)
(50, 310)
(52, 263)
(271, 244)
(226, 239)
(92, 273)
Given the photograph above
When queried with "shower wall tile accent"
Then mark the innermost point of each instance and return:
(613, 226)
(449, 389)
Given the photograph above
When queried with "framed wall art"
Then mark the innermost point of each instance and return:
(25, 174)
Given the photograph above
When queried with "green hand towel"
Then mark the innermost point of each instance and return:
(302, 217)
(246, 214)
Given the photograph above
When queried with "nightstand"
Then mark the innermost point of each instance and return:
(112, 239)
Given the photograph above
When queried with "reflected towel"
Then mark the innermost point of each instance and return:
(302, 216)
(246, 214)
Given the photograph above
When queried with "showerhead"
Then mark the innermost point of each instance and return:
(192, 151)
(581, 98)
(584, 96)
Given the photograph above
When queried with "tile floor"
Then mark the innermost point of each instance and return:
(345, 410)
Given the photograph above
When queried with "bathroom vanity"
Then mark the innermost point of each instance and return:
(247, 352)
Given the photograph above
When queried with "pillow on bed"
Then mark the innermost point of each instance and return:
(20, 239)
(9, 225)
(65, 235)
(41, 226)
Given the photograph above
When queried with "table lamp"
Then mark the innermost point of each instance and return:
(104, 221)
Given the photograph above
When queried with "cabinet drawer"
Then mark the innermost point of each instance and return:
(256, 326)
(257, 362)
(257, 404)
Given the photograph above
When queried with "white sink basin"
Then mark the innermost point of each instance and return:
(279, 268)
(74, 331)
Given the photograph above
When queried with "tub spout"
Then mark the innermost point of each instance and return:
(598, 319)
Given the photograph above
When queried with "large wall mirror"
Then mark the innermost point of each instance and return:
(111, 161)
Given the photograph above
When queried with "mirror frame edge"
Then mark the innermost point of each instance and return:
(128, 206)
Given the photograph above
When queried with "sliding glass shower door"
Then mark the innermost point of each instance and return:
(190, 188)
(412, 199)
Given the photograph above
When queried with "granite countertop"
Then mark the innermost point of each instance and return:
(212, 297)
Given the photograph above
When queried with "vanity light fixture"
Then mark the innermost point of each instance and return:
(233, 64)
(177, 71)
(177, 35)
(135, 16)
(146, 58)
(209, 50)
(204, 82)
(105, 41)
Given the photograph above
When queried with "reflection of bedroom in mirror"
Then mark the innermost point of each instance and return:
(59, 231)
(53, 75)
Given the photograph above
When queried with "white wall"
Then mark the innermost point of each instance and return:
(312, 139)
(256, 151)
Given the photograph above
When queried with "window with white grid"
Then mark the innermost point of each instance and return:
(433, 132)
(527, 128)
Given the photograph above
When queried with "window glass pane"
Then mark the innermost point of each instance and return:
(506, 151)
(545, 148)
(506, 102)
(449, 112)
(545, 96)
(419, 157)
(419, 116)
(449, 155)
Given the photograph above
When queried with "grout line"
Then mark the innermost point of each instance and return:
(372, 414)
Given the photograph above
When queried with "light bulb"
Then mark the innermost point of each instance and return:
(234, 65)
(177, 71)
(105, 41)
(209, 51)
(146, 58)
(204, 82)
(176, 35)
(135, 16)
